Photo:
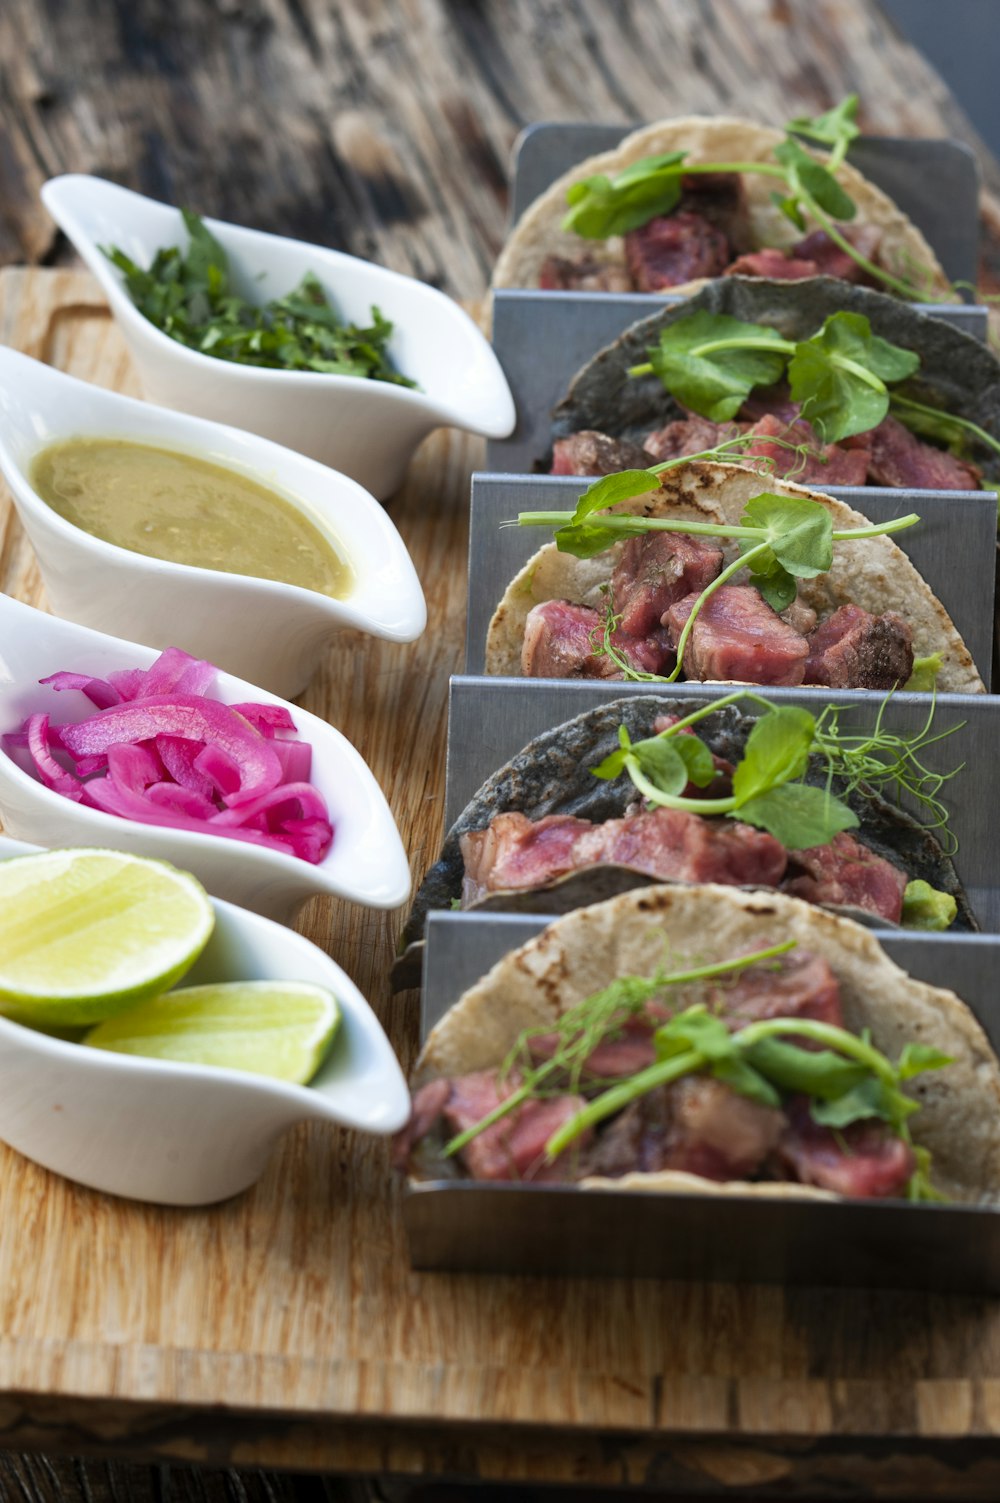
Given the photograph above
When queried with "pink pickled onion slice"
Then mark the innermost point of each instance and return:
(177, 672)
(127, 682)
(296, 760)
(134, 767)
(140, 807)
(220, 769)
(266, 718)
(309, 799)
(204, 720)
(97, 690)
(178, 757)
(173, 796)
(48, 769)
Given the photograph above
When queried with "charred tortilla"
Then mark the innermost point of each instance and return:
(551, 775)
(957, 373)
(578, 955)
(872, 573)
(706, 139)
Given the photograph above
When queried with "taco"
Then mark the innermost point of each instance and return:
(723, 223)
(924, 413)
(545, 834)
(622, 612)
(702, 1040)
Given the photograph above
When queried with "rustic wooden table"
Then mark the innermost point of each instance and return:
(285, 1330)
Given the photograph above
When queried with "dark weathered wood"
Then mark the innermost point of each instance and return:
(383, 126)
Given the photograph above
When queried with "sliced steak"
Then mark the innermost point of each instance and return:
(720, 198)
(831, 261)
(688, 435)
(656, 570)
(802, 986)
(900, 458)
(721, 785)
(561, 640)
(829, 464)
(634, 1141)
(591, 453)
(515, 853)
(849, 874)
(626, 1052)
(514, 1147)
(674, 248)
(425, 1112)
(717, 1133)
(774, 264)
(854, 650)
(737, 635)
(865, 1159)
(586, 274)
(776, 399)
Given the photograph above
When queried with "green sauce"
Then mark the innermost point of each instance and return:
(170, 505)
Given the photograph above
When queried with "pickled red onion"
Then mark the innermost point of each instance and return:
(159, 751)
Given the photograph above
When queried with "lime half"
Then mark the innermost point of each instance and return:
(84, 933)
(277, 1028)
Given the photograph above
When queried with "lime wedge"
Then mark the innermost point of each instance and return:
(277, 1028)
(84, 933)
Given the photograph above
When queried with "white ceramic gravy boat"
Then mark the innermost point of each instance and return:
(189, 1134)
(366, 863)
(368, 429)
(261, 629)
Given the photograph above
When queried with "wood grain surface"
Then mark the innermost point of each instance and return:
(285, 1328)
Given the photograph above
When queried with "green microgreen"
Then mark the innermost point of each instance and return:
(769, 788)
(710, 363)
(189, 296)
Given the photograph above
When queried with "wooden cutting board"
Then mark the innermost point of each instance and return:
(285, 1328)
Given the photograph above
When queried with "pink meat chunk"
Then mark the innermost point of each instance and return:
(803, 986)
(561, 641)
(591, 453)
(774, 264)
(626, 1052)
(688, 435)
(827, 464)
(586, 274)
(515, 853)
(847, 873)
(673, 249)
(865, 1159)
(655, 571)
(425, 1112)
(737, 635)
(716, 1132)
(831, 261)
(514, 1147)
(900, 458)
(853, 649)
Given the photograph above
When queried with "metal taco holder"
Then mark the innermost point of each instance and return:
(491, 719)
(953, 547)
(560, 1229)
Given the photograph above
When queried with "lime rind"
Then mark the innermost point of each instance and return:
(87, 933)
(282, 1030)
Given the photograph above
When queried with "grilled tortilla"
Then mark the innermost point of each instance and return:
(578, 955)
(873, 573)
(551, 775)
(706, 138)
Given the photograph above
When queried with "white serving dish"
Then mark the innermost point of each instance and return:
(366, 864)
(261, 629)
(189, 1134)
(368, 429)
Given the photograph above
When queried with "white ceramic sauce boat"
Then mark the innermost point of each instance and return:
(369, 429)
(261, 629)
(189, 1134)
(366, 863)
